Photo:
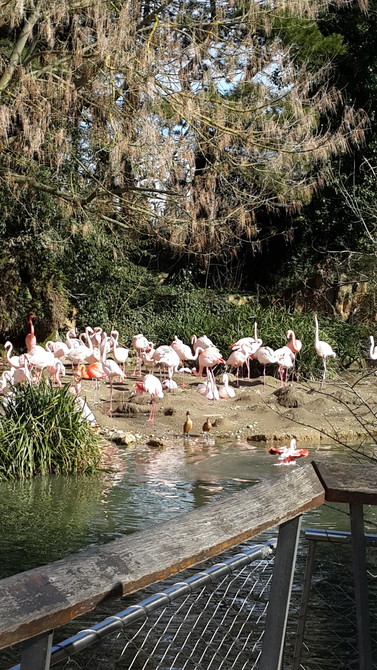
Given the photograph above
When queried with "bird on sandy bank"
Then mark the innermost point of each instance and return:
(323, 349)
(187, 426)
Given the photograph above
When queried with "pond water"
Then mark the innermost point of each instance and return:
(48, 518)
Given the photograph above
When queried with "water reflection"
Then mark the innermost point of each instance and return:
(47, 518)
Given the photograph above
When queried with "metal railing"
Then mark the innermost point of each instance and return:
(213, 619)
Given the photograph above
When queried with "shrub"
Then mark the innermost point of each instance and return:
(42, 431)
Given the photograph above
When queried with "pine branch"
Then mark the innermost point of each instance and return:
(18, 49)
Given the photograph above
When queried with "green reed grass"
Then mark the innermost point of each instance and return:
(42, 431)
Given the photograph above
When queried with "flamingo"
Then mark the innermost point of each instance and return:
(78, 352)
(373, 349)
(55, 370)
(39, 358)
(120, 353)
(207, 359)
(93, 353)
(110, 368)
(288, 455)
(226, 391)
(140, 344)
(209, 387)
(30, 339)
(323, 349)
(202, 342)
(153, 386)
(169, 385)
(169, 358)
(285, 359)
(185, 354)
(59, 349)
(265, 356)
(14, 361)
(238, 357)
(294, 344)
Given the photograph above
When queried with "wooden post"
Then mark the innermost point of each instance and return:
(280, 594)
(36, 652)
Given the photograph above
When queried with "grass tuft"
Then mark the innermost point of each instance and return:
(42, 431)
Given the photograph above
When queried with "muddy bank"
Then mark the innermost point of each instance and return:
(344, 410)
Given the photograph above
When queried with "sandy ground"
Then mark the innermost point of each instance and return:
(345, 409)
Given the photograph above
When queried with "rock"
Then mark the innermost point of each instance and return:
(125, 440)
(155, 442)
(290, 397)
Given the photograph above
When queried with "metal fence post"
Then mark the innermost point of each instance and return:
(361, 586)
(36, 652)
(280, 594)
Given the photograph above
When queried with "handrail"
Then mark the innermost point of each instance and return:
(36, 601)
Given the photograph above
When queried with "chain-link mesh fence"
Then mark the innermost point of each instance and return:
(213, 620)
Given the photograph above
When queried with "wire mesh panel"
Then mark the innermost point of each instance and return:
(330, 634)
(211, 620)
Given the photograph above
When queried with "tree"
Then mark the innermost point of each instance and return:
(181, 120)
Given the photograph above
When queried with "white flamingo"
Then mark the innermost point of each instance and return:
(140, 344)
(265, 356)
(14, 361)
(226, 391)
(285, 359)
(153, 386)
(120, 353)
(110, 368)
(323, 349)
(373, 349)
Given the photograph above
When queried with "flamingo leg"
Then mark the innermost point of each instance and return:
(111, 398)
(264, 379)
(324, 373)
(153, 409)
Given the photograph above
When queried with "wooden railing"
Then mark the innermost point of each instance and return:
(35, 602)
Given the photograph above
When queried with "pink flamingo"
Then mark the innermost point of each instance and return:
(294, 344)
(59, 349)
(185, 354)
(265, 356)
(238, 357)
(323, 349)
(288, 455)
(285, 358)
(153, 386)
(56, 370)
(30, 339)
(139, 343)
(202, 342)
(93, 353)
(209, 388)
(207, 359)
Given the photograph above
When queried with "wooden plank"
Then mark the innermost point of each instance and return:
(44, 598)
(348, 482)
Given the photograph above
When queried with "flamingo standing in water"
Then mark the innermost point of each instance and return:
(288, 455)
(323, 349)
(153, 386)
